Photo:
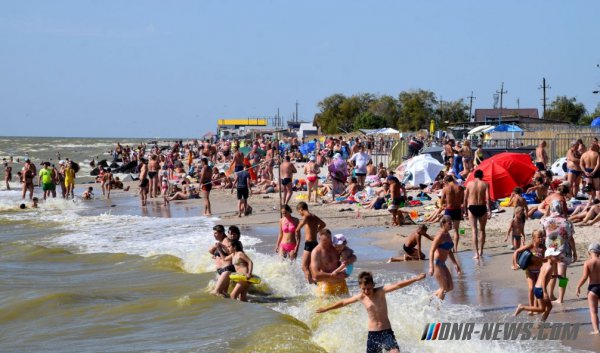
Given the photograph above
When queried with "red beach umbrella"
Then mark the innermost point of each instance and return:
(505, 171)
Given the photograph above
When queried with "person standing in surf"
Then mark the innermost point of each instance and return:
(441, 249)
(206, 185)
(324, 261)
(143, 181)
(380, 335)
(477, 200)
(312, 225)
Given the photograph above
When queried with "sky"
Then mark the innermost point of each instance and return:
(153, 68)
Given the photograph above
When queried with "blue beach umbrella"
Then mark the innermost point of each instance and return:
(596, 122)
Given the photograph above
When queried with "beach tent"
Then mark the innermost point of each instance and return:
(423, 169)
(387, 131)
(479, 129)
(596, 122)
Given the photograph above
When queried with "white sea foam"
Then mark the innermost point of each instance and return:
(186, 238)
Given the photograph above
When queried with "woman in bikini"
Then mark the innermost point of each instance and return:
(243, 265)
(441, 249)
(287, 240)
(312, 176)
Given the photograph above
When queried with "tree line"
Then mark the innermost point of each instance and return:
(413, 110)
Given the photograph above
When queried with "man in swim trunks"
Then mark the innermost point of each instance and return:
(590, 162)
(287, 175)
(541, 157)
(591, 271)
(477, 201)
(574, 168)
(144, 182)
(380, 335)
(412, 246)
(312, 225)
(324, 260)
(206, 185)
(452, 201)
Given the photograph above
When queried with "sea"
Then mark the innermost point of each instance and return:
(109, 276)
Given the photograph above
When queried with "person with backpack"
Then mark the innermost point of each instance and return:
(530, 258)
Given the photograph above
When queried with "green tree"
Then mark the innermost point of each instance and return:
(452, 112)
(566, 109)
(368, 120)
(416, 109)
(588, 118)
(388, 108)
(329, 115)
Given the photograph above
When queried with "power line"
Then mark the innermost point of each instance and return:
(543, 87)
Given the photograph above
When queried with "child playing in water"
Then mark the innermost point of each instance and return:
(243, 265)
(347, 257)
(540, 291)
(88, 194)
(532, 271)
(397, 201)
(413, 240)
(516, 228)
(591, 271)
(164, 189)
(380, 335)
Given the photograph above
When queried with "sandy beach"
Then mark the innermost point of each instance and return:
(489, 285)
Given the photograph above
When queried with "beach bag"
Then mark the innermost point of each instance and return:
(524, 259)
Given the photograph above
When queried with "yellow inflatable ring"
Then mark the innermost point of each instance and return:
(238, 277)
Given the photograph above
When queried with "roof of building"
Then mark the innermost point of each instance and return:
(482, 114)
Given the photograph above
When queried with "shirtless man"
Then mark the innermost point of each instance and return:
(380, 335)
(541, 157)
(448, 151)
(312, 225)
(477, 200)
(574, 168)
(287, 175)
(206, 185)
(238, 160)
(7, 174)
(452, 200)
(153, 169)
(324, 261)
(590, 162)
(143, 181)
(271, 157)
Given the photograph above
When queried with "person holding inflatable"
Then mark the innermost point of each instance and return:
(243, 265)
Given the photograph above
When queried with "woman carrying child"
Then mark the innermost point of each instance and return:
(532, 271)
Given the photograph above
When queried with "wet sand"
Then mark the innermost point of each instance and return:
(490, 285)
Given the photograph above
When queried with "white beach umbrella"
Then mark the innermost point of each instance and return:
(423, 168)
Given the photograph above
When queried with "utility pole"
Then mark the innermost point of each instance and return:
(471, 97)
(296, 118)
(502, 92)
(441, 111)
(543, 87)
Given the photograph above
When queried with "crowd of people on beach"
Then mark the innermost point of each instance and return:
(185, 171)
